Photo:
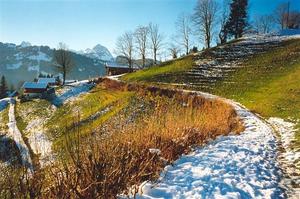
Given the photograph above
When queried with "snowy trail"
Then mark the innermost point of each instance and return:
(72, 91)
(234, 166)
(16, 135)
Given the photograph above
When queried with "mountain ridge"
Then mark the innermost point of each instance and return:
(24, 62)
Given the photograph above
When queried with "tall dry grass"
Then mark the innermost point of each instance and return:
(127, 156)
(118, 161)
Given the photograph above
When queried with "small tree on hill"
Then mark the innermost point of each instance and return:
(63, 60)
(125, 47)
(141, 38)
(184, 32)
(237, 21)
(156, 40)
(174, 50)
(3, 88)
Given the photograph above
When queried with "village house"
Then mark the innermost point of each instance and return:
(38, 89)
(117, 69)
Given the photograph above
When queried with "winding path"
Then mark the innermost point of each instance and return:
(16, 135)
(234, 166)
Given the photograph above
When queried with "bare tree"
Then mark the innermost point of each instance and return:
(224, 16)
(63, 60)
(204, 17)
(294, 20)
(125, 47)
(156, 40)
(141, 37)
(174, 49)
(184, 31)
(263, 23)
(281, 16)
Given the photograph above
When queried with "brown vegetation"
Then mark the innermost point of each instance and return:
(117, 162)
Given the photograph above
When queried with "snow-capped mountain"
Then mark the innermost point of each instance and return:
(25, 44)
(24, 62)
(98, 52)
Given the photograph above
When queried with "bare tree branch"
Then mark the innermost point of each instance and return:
(156, 40)
(124, 47)
(204, 18)
(141, 37)
(184, 31)
(63, 60)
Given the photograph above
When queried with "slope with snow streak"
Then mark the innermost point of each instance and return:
(234, 166)
(16, 135)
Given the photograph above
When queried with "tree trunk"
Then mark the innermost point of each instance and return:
(154, 51)
(143, 60)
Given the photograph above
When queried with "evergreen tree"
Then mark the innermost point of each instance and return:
(237, 21)
(3, 88)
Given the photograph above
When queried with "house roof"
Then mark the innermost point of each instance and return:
(117, 65)
(47, 80)
(35, 85)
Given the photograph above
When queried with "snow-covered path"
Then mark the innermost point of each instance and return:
(16, 135)
(235, 166)
(72, 91)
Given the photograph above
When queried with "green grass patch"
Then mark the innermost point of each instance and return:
(4, 120)
(86, 129)
(81, 109)
(169, 67)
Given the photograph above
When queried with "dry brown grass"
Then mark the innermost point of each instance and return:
(122, 159)
(119, 160)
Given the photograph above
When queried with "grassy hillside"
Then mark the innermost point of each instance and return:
(88, 111)
(268, 83)
(157, 73)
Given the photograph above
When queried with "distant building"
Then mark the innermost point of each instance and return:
(49, 81)
(33, 88)
(113, 68)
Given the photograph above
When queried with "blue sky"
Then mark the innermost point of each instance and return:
(84, 23)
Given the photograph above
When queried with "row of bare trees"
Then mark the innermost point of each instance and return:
(283, 17)
(143, 40)
(212, 21)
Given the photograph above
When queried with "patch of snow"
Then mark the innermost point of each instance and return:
(25, 44)
(4, 103)
(10, 45)
(33, 68)
(289, 157)
(40, 56)
(13, 66)
(155, 151)
(115, 77)
(41, 145)
(234, 166)
(19, 56)
(16, 135)
(71, 91)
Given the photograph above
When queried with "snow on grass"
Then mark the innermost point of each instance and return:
(287, 133)
(16, 135)
(72, 91)
(290, 159)
(40, 56)
(115, 77)
(40, 145)
(4, 103)
(13, 66)
(242, 166)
